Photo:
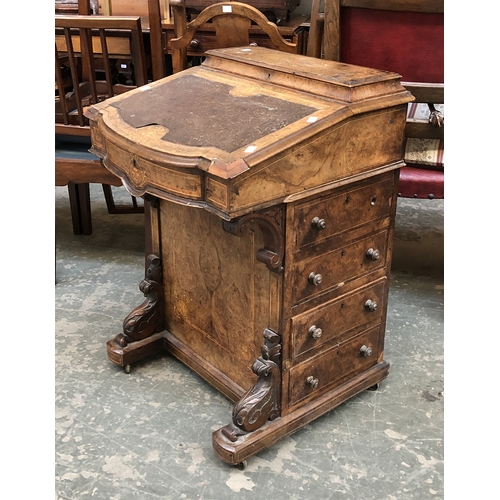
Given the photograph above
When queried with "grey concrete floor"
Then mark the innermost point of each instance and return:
(147, 434)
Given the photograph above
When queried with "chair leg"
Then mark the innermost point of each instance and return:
(134, 208)
(86, 216)
(79, 200)
(108, 196)
(74, 206)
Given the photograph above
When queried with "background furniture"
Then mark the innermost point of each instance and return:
(231, 21)
(162, 30)
(87, 71)
(158, 27)
(66, 6)
(281, 191)
(280, 9)
(406, 37)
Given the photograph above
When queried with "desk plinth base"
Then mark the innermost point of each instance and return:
(166, 342)
(257, 419)
(135, 351)
(247, 445)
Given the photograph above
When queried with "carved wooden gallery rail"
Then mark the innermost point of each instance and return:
(270, 182)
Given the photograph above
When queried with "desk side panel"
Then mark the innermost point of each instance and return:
(218, 297)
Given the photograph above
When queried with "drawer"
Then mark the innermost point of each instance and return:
(324, 217)
(330, 269)
(319, 374)
(203, 41)
(335, 320)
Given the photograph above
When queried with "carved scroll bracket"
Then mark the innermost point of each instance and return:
(148, 318)
(270, 223)
(261, 402)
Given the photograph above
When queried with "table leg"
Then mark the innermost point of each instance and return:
(262, 401)
(143, 327)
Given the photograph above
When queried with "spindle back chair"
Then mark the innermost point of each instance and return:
(88, 50)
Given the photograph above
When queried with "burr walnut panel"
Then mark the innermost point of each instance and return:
(217, 294)
(300, 168)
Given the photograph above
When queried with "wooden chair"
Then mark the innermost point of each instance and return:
(158, 11)
(86, 72)
(66, 7)
(232, 22)
(407, 37)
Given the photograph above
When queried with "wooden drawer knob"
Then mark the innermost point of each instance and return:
(312, 382)
(318, 223)
(195, 44)
(373, 254)
(315, 279)
(371, 305)
(315, 332)
(365, 351)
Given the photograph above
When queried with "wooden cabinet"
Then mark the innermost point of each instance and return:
(270, 182)
(280, 8)
(291, 29)
(338, 282)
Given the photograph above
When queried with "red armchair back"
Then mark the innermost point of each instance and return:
(407, 37)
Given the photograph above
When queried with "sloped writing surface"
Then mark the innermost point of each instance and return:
(198, 112)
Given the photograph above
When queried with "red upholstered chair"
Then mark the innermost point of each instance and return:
(407, 37)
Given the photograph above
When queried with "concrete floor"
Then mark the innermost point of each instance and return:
(147, 435)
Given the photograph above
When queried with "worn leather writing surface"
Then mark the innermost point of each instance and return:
(203, 113)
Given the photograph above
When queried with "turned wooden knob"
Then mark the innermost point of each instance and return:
(315, 279)
(312, 382)
(315, 332)
(373, 254)
(436, 118)
(365, 351)
(371, 305)
(195, 44)
(318, 223)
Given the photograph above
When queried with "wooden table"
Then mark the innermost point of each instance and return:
(271, 182)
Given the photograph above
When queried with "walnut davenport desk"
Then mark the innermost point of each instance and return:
(271, 187)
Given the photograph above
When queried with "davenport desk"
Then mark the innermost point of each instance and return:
(271, 187)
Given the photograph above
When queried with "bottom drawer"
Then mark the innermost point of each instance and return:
(316, 375)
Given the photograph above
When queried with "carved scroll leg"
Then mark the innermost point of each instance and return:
(261, 402)
(142, 328)
(249, 444)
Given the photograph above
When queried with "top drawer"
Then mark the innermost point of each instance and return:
(206, 40)
(339, 211)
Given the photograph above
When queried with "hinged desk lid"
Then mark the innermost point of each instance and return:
(245, 110)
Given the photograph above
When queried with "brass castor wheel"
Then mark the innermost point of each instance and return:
(242, 465)
(374, 387)
(127, 368)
